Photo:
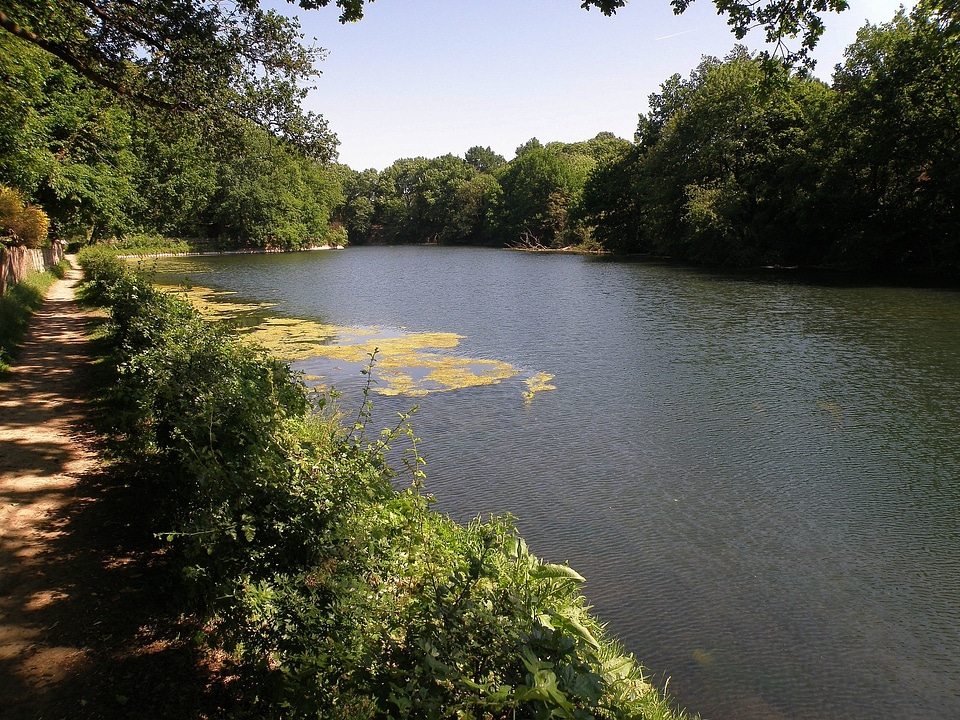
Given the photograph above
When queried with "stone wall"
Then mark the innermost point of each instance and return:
(18, 262)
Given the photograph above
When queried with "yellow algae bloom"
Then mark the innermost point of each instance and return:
(213, 304)
(442, 373)
(538, 383)
(407, 363)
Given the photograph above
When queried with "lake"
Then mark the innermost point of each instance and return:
(759, 476)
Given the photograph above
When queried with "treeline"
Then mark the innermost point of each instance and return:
(746, 162)
(534, 200)
(103, 167)
(323, 571)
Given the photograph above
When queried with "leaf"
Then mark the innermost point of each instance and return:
(578, 628)
(550, 570)
(617, 668)
(546, 621)
(515, 547)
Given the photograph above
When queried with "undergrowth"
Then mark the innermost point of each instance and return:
(320, 568)
(17, 305)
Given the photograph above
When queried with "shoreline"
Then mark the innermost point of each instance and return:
(249, 251)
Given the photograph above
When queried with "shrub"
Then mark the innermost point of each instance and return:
(150, 244)
(20, 222)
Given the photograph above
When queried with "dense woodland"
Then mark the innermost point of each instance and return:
(747, 161)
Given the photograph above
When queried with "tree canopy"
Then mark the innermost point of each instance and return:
(748, 163)
(228, 59)
(238, 56)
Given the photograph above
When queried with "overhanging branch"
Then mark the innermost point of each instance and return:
(66, 55)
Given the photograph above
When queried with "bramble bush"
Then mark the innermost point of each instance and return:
(320, 568)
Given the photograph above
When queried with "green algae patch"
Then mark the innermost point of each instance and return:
(443, 373)
(216, 304)
(536, 384)
(407, 363)
(294, 339)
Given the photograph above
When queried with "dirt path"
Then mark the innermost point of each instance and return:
(84, 631)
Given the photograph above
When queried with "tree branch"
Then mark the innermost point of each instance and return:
(123, 25)
(64, 54)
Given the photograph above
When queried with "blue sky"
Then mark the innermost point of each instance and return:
(430, 77)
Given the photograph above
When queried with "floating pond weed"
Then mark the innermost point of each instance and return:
(538, 383)
(408, 363)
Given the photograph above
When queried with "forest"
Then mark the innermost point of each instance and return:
(747, 161)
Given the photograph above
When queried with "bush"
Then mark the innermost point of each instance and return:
(150, 244)
(20, 222)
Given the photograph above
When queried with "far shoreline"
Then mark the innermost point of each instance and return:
(245, 251)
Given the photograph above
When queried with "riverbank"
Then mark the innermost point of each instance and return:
(249, 251)
(322, 568)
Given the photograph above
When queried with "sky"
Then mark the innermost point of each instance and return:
(430, 77)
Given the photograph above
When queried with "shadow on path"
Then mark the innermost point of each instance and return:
(86, 626)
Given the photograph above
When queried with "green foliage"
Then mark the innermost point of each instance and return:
(542, 188)
(16, 306)
(892, 185)
(483, 159)
(723, 170)
(65, 144)
(152, 244)
(325, 573)
(749, 163)
(104, 169)
(176, 178)
(223, 61)
(419, 200)
(534, 200)
(782, 22)
(23, 72)
(269, 197)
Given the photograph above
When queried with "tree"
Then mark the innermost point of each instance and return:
(894, 182)
(483, 159)
(177, 175)
(474, 201)
(781, 20)
(356, 212)
(24, 156)
(615, 202)
(541, 189)
(269, 196)
(430, 200)
(227, 59)
(86, 160)
(723, 167)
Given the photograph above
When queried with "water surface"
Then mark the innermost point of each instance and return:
(759, 477)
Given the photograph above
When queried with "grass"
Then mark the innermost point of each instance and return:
(152, 245)
(16, 308)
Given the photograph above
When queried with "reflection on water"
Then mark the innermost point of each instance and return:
(760, 478)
